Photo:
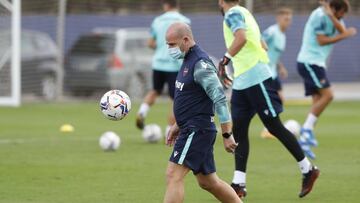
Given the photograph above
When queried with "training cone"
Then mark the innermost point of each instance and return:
(67, 128)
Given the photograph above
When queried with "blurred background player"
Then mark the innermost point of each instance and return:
(275, 39)
(251, 94)
(164, 67)
(323, 28)
(198, 93)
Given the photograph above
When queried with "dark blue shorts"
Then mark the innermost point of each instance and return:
(262, 99)
(194, 149)
(314, 77)
(276, 84)
(162, 77)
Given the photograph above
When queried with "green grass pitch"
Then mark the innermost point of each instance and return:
(38, 164)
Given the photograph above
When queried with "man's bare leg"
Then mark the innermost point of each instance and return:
(149, 100)
(175, 175)
(221, 190)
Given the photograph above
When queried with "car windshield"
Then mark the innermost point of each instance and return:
(96, 44)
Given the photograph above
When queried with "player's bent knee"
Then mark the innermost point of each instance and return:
(330, 96)
(208, 184)
(205, 185)
(173, 176)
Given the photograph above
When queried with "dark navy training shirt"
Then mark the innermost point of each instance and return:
(198, 92)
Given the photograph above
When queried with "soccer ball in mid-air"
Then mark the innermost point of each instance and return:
(115, 105)
(293, 126)
(109, 141)
(152, 133)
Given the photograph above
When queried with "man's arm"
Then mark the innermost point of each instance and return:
(282, 70)
(205, 75)
(344, 32)
(337, 24)
(235, 21)
(238, 43)
(325, 40)
(152, 43)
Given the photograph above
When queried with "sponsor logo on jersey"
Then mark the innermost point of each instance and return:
(179, 85)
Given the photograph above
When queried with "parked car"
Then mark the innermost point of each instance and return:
(109, 58)
(39, 67)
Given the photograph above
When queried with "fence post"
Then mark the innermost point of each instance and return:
(60, 40)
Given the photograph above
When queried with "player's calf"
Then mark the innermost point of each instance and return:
(221, 190)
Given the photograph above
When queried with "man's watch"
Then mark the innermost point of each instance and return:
(227, 135)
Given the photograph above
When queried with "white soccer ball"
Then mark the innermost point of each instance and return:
(152, 133)
(109, 141)
(293, 126)
(115, 105)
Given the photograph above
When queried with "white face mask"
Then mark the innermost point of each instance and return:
(176, 53)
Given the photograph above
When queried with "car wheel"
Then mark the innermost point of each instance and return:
(48, 87)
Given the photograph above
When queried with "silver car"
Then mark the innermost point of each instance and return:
(39, 66)
(109, 58)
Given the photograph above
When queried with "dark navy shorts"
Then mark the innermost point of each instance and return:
(262, 99)
(194, 149)
(276, 84)
(162, 77)
(314, 77)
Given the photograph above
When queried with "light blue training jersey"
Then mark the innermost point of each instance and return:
(261, 71)
(276, 41)
(311, 52)
(162, 61)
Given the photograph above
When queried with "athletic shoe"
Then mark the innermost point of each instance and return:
(309, 135)
(140, 122)
(240, 190)
(306, 148)
(308, 181)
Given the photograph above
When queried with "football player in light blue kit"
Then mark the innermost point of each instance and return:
(323, 28)
(165, 68)
(275, 38)
(252, 94)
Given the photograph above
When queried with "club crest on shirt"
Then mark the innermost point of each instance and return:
(185, 72)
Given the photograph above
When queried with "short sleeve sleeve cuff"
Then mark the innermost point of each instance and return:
(235, 21)
(320, 25)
